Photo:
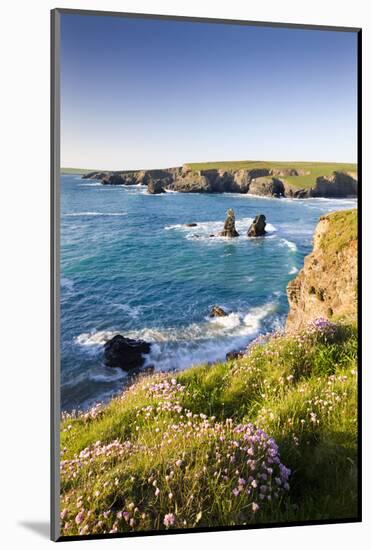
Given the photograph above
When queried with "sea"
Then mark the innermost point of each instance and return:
(130, 265)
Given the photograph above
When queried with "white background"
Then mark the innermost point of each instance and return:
(24, 253)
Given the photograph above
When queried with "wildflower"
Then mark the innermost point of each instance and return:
(157, 492)
(235, 492)
(255, 507)
(169, 520)
(80, 517)
(179, 462)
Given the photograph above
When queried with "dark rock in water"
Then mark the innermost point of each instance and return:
(125, 353)
(257, 228)
(191, 224)
(212, 235)
(217, 311)
(155, 186)
(234, 355)
(229, 229)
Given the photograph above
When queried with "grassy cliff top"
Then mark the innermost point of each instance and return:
(342, 229)
(77, 171)
(213, 445)
(316, 169)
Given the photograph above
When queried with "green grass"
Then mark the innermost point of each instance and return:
(77, 171)
(174, 449)
(342, 229)
(302, 182)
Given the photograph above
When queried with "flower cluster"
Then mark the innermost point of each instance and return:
(192, 460)
(322, 329)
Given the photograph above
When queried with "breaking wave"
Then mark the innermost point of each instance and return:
(182, 347)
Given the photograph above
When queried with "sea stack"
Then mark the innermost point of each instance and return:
(257, 228)
(229, 229)
(125, 353)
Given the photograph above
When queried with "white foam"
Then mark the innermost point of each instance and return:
(203, 230)
(95, 338)
(228, 322)
(293, 270)
(292, 246)
(181, 347)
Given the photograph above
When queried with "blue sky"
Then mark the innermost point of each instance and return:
(138, 93)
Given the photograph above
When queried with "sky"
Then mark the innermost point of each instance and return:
(139, 93)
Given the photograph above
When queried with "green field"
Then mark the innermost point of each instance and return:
(77, 171)
(302, 182)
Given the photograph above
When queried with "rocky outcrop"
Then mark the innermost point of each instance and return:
(257, 228)
(217, 311)
(268, 182)
(229, 229)
(267, 187)
(327, 285)
(125, 353)
(339, 184)
(155, 186)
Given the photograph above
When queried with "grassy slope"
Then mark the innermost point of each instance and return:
(301, 390)
(342, 229)
(316, 169)
(77, 170)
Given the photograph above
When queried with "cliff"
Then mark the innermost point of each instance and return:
(327, 285)
(303, 180)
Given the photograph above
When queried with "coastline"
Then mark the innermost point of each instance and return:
(295, 180)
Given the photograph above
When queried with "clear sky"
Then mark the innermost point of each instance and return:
(139, 93)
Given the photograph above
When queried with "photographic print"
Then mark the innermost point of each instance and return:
(205, 263)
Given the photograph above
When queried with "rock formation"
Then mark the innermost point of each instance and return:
(229, 229)
(155, 186)
(217, 311)
(327, 285)
(271, 187)
(125, 353)
(257, 228)
(274, 182)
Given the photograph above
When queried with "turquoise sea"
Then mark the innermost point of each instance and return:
(129, 265)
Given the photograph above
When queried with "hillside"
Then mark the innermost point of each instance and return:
(276, 179)
(327, 284)
(267, 437)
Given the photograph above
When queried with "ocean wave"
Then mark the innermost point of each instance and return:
(291, 245)
(181, 347)
(93, 338)
(293, 270)
(81, 214)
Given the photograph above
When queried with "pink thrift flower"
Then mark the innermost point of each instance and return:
(169, 520)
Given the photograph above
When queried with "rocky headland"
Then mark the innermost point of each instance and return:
(326, 287)
(262, 181)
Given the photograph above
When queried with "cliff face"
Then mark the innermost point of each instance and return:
(327, 284)
(256, 181)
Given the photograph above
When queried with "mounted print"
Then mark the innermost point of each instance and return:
(205, 274)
